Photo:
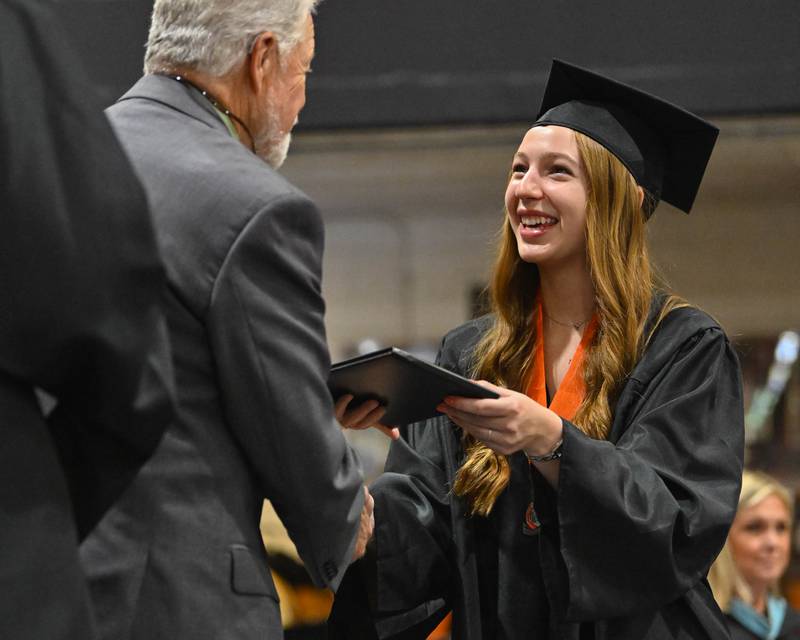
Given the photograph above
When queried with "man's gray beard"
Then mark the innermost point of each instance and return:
(272, 144)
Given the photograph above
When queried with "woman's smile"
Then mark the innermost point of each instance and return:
(533, 224)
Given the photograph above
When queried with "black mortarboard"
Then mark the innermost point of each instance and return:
(665, 148)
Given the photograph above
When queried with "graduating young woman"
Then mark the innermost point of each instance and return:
(589, 500)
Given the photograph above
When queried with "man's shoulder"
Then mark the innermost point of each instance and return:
(204, 187)
(257, 180)
(256, 187)
(184, 154)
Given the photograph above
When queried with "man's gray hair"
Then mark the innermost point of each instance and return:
(213, 35)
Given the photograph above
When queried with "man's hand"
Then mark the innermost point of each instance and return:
(366, 527)
(363, 416)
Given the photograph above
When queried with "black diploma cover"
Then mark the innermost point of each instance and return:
(410, 388)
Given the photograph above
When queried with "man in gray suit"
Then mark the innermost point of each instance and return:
(180, 556)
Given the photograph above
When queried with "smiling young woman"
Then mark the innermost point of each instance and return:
(591, 497)
(610, 252)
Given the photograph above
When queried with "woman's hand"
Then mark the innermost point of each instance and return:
(513, 422)
(364, 416)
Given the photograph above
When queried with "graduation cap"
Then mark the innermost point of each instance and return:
(665, 148)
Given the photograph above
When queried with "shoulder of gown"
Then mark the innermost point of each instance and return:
(455, 352)
(679, 327)
(641, 516)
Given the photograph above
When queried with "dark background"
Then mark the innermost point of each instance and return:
(482, 61)
(438, 62)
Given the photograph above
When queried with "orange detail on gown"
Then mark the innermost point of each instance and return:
(570, 392)
(568, 396)
(442, 632)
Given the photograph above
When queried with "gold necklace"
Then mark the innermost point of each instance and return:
(575, 325)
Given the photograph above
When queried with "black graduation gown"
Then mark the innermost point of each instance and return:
(625, 542)
(790, 630)
(80, 288)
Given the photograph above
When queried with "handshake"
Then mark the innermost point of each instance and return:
(366, 527)
(363, 416)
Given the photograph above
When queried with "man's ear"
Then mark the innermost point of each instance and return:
(263, 61)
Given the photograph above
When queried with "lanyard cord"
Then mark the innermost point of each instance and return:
(217, 105)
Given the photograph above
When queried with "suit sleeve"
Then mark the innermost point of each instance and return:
(636, 524)
(80, 276)
(266, 324)
(400, 589)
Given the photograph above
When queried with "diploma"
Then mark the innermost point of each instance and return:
(408, 387)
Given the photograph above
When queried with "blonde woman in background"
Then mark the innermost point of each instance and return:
(746, 574)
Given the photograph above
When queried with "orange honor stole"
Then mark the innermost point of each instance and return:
(568, 396)
(570, 392)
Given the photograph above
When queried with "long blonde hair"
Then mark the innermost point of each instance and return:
(623, 281)
(725, 580)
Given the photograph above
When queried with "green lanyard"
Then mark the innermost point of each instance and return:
(224, 114)
(228, 123)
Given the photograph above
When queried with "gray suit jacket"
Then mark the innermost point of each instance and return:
(181, 556)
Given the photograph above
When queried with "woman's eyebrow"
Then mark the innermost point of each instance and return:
(558, 155)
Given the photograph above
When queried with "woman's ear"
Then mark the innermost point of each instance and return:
(263, 62)
(641, 196)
